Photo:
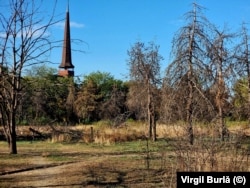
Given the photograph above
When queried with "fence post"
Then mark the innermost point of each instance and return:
(91, 134)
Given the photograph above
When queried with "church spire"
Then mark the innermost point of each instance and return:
(66, 63)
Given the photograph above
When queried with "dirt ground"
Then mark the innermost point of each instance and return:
(126, 164)
(83, 174)
(41, 164)
(105, 173)
(96, 169)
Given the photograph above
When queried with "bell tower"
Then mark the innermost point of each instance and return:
(66, 68)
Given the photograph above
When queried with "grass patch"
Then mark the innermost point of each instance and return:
(58, 158)
(125, 162)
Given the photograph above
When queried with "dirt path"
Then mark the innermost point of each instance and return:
(45, 174)
(63, 175)
(97, 171)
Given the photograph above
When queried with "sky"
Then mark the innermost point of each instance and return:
(109, 28)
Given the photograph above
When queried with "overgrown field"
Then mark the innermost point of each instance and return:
(104, 156)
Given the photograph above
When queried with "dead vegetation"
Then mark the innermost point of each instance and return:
(103, 156)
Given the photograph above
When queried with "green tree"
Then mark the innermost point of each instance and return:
(240, 99)
(46, 96)
(100, 97)
(242, 66)
(87, 101)
(104, 81)
(114, 108)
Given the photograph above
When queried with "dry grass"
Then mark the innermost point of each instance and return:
(207, 154)
(105, 134)
(104, 156)
(84, 165)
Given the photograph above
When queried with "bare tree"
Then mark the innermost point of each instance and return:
(136, 101)
(174, 101)
(144, 66)
(190, 61)
(24, 41)
(221, 66)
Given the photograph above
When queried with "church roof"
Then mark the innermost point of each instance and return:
(66, 53)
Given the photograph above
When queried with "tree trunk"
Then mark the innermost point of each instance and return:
(151, 115)
(149, 122)
(189, 107)
(12, 134)
(222, 124)
(220, 101)
(8, 121)
(149, 110)
(154, 128)
(12, 143)
(189, 118)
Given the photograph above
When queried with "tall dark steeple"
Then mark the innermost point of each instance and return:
(66, 66)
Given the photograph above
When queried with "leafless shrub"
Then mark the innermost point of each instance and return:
(211, 155)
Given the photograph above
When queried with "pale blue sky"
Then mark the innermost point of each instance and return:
(111, 27)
